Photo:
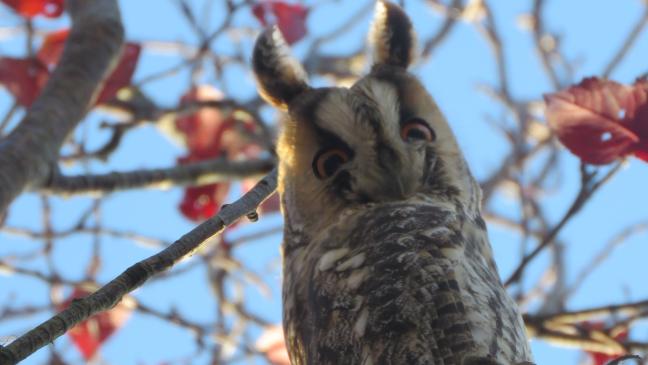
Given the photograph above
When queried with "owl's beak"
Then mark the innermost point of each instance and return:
(403, 190)
(395, 187)
(399, 184)
(394, 184)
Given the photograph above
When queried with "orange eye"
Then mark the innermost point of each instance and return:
(415, 130)
(327, 162)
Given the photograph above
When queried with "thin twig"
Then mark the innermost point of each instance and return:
(538, 34)
(627, 44)
(613, 243)
(586, 191)
(444, 31)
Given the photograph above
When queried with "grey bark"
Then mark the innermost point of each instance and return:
(29, 152)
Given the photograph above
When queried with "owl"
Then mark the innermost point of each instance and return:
(386, 258)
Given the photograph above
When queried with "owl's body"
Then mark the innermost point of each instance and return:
(399, 283)
(386, 256)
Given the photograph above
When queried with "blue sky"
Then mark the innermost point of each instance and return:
(590, 33)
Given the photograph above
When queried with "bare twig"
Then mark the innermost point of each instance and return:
(110, 294)
(617, 240)
(490, 32)
(198, 173)
(588, 188)
(540, 44)
(627, 44)
(444, 30)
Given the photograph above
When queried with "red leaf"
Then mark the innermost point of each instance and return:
(209, 133)
(290, 18)
(52, 48)
(202, 202)
(272, 344)
(640, 122)
(203, 132)
(31, 8)
(204, 129)
(24, 78)
(89, 335)
(122, 73)
(601, 120)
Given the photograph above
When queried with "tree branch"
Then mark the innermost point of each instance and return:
(110, 294)
(198, 173)
(26, 154)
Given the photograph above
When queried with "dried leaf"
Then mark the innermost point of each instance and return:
(601, 120)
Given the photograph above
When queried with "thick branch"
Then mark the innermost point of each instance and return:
(198, 173)
(109, 295)
(27, 154)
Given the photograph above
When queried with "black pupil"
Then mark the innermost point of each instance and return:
(332, 163)
(416, 133)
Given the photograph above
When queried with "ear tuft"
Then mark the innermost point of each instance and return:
(279, 75)
(392, 36)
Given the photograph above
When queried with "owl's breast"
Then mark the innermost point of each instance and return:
(394, 284)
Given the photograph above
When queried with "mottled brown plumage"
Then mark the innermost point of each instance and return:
(386, 256)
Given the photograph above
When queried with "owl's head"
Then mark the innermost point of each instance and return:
(383, 139)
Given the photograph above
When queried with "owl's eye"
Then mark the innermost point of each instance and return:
(416, 129)
(327, 162)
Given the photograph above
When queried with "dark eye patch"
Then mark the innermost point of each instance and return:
(328, 161)
(333, 163)
(333, 153)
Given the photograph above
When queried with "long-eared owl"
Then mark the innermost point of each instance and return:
(386, 258)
